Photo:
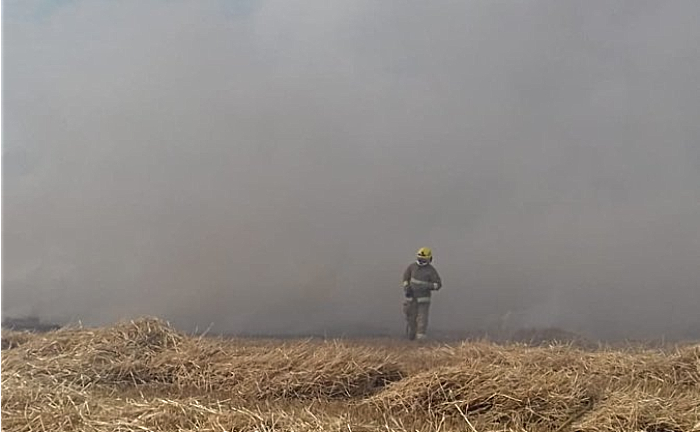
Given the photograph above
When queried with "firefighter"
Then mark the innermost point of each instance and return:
(419, 280)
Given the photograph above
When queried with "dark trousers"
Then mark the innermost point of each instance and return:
(416, 318)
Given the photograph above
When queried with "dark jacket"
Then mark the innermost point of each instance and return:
(422, 280)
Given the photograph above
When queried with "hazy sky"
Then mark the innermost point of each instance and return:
(273, 166)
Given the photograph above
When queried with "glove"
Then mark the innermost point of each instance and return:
(408, 291)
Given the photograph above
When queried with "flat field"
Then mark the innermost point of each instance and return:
(145, 376)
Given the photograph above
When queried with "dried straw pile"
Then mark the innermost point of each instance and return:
(122, 353)
(144, 375)
(149, 352)
(557, 388)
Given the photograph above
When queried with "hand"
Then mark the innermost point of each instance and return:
(436, 286)
(408, 291)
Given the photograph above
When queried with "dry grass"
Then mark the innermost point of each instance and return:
(12, 339)
(148, 352)
(556, 388)
(143, 375)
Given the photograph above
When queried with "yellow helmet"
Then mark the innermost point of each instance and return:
(424, 255)
(424, 252)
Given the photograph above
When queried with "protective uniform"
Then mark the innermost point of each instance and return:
(419, 281)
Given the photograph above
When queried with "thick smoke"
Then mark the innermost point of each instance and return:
(271, 167)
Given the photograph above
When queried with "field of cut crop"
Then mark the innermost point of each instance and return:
(146, 376)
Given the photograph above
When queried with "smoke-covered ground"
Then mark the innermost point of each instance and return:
(272, 166)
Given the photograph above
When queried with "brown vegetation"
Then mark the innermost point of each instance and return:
(144, 375)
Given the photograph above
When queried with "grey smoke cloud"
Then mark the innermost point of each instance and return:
(273, 166)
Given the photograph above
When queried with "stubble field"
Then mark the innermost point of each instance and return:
(145, 376)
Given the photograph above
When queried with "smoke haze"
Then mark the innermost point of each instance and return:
(271, 167)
